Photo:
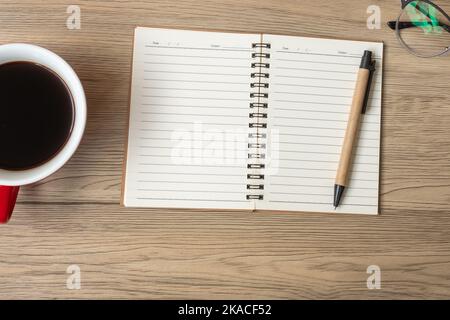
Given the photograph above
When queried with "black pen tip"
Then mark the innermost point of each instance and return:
(366, 60)
(338, 191)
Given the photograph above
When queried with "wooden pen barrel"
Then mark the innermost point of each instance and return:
(351, 134)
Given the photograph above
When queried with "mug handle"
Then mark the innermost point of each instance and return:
(8, 196)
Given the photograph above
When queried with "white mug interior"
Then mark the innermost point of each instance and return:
(36, 54)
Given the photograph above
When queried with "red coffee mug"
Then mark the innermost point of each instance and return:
(10, 180)
(8, 196)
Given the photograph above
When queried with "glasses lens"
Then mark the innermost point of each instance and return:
(424, 28)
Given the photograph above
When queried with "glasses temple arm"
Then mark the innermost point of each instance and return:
(409, 24)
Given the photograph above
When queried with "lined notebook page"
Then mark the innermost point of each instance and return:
(189, 120)
(311, 88)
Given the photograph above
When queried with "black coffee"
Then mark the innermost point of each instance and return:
(36, 115)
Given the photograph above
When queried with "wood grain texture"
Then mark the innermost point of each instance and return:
(74, 216)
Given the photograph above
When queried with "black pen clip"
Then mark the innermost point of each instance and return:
(369, 83)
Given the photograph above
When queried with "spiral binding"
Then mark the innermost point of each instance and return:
(259, 85)
(257, 117)
(261, 55)
(255, 197)
(261, 45)
(258, 104)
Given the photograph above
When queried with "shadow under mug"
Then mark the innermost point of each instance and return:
(10, 181)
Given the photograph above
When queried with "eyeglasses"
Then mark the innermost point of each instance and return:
(423, 28)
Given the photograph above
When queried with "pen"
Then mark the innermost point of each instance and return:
(359, 105)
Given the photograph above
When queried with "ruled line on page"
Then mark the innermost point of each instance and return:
(315, 70)
(194, 114)
(350, 88)
(195, 89)
(198, 73)
(322, 111)
(189, 165)
(322, 203)
(323, 178)
(192, 148)
(195, 174)
(312, 127)
(323, 169)
(326, 161)
(193, 199)
(193, 81)
(375, 82)
(319, 62)
(228, 158)
(195, 140)
(312, 185)
(312, 102)
(315, 152)
(193, 98)
(180, 190)
(194, 182)
(330, 194)
(197, 48)
(313, 94)
(310, 150)
(196, 65)
(354, 56)
(322, 119)
(189, 122)
(323, 144)
(191, 106)
(321, 95)
(321, 136)
(193, 56)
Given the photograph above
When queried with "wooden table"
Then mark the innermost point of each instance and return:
(74, 217)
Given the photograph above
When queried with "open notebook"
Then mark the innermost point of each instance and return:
(247, 121)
